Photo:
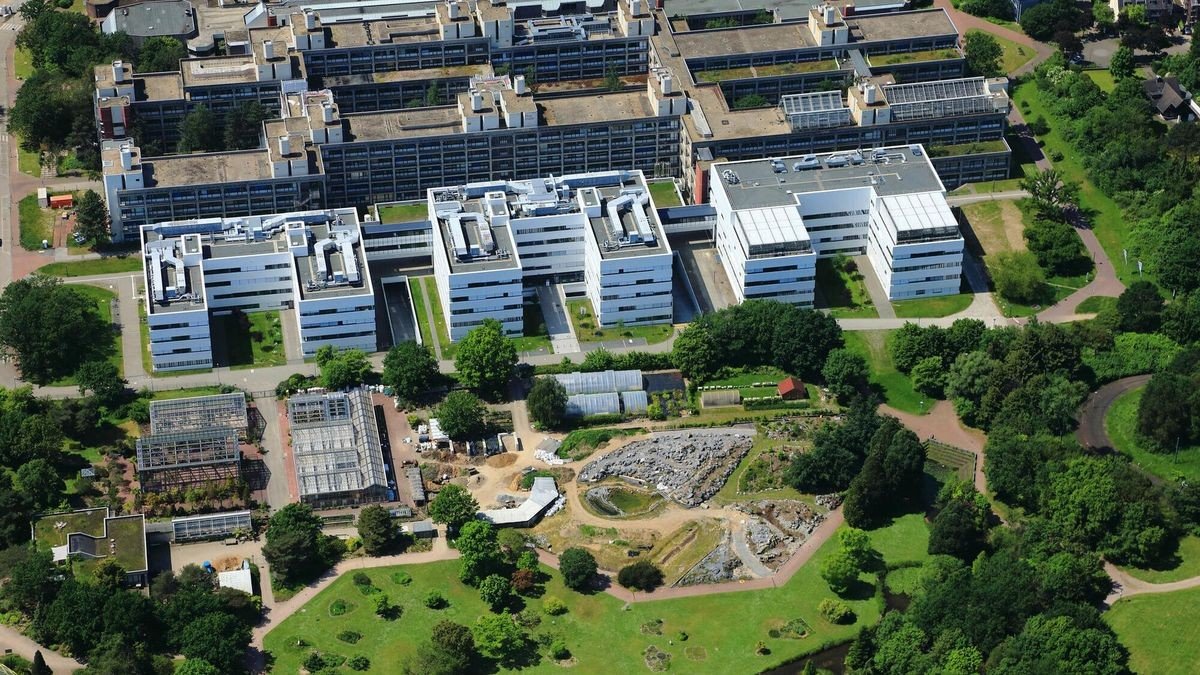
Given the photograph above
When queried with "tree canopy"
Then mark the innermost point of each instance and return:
(461, 415)
(50, 328)
(983, 54)
(376, 529)
(409, 369)
(342, 369)
(547, 402)
(578, 567)
(485, 359)
(454, 506)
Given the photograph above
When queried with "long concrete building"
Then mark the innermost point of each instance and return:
(384, 108)
(309, 262)
(775, 217)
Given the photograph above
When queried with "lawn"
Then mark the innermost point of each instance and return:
(536, 337)
(22, 65)
(1054, 294)
(251, 339)
(942, 305)
(439, 318)
(37, 224)
(1121, 424)
(83, 268)
(403, 213)
(1159, 631)
(190, 392)
(973, 148)
(912, 57)
(28, 163)
(1103, 79)
(897, 388)
(603, 633)
(1109, 223)
(1186, 564)
(418, 303)
(993, 227)
(664, 193)
(1096, 304)
(127, 534)
(842, 290)
(1014, 56)
(103, 299)
(584, 322)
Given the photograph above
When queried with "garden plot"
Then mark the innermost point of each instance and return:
(776, 528)
(687, 466)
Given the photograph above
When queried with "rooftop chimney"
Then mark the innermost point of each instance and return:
(476, 101)
(452, 8)
(327, 113)
(519, 85)
(830, 15)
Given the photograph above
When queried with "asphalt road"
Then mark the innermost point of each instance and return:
(1091, 433)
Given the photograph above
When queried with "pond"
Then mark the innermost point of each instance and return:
(621, 502)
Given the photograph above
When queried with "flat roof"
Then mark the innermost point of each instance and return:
(473, 232)
(396, 124)
(898, 25)
(219, 70)
(336, 453)
(384, 31)
(592, 107)
(636, 221)
(899, 170)
(166, 86)
(543, 494)
(155, 18)
(916, 213)
(308, 268)
(445, 72)
(744, 40)
(206, 168)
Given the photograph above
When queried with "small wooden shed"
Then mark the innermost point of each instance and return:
(792, 389)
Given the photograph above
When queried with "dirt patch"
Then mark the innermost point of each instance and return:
(995, 227)
(501, 461)
(611, 546)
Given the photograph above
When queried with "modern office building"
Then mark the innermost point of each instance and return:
(775, 217)
(338, 455)
(493, 239)
(382, 108)
(310, 262)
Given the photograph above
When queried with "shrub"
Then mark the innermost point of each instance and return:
(642, 575)
(338, 608)
(359, 663)
(314, 662)
(435, 600)
(401, 578)
(349, 636)
(361, 579)
(553, 606)
(559, 651)
(836, 611)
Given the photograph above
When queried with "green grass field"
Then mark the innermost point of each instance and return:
(1121, 424)
(913, 57)
(1109, 223)
(1096, 303)
(22, 65)
(897, 388)
(1014, 56)
(257, 343)
(28, 163)
(944, 305)
(439, 318)
(83, 268)
(536, 336)
(403, 213)
(418, 303)
(1103, 79)
(600, 634)
(843, 292)
(37, 223)
(1054, 294)
(1159, 631)
(1186, 564)
(583, 318)
(664, 193)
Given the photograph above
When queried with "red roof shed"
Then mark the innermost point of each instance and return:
(61, 201)
(792, 388)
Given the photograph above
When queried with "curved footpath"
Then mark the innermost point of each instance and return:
(1092, 433)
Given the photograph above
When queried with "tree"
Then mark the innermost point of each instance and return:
(486, 359)
(479, 552)
(377, 530)
(433, 94)
(845, 373)
(1051, 193)
(453, 506)
(642, 575)
(523, 581)
(461, 415)
(91, 218)
(1122, 64)
(528, 560)
(342, 369)
(50, 328)
(1140, 307)
(455, 639)
(103, 379)
(578, 567)
(1057, 247)
(612, 79)
(1181, 319)
(294, 547)
(839, 571)
(496, 591)
(547, 402)
(1043, 20)
(384, 607)
(695, 352)
(200, 131)
(983, 54)
(1166, 411)
(243, 126)
(196, 667)
(217, 638)
(409, 369)
(1017, 276)
(496, 636)
(1102, 15)
(960, 527)
(1068, 43)
(929, 376)
(160, 55)
(1059, 644)
(32, 580)
(38, 480)
(39, 667)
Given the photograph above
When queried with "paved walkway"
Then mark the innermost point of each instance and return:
(19, 644)
(879, 297)
(1125, 585)
(1092, 432)
(942, 424)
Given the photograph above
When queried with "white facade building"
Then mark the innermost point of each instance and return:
(492, 239)
(309, 261)
(775, 217)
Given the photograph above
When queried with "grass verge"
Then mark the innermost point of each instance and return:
(439, 318)
(37, 223)
(842, 290)
(83, 268)
(897, 389)
(1185, 565)
(664, 193)
(942, 305)
(1096, 304)
(1014, 55)
(583, 318)
(1121, 424)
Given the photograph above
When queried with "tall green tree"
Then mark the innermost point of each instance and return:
(160, 54)
(846, 373)
(961, 525)
(200, 131)
(92, 218)
(485, 359)
(1018, 277)
(1140, 307)
(39, 481)
(295, 549)
(410, 370)
(342, 369)
(1052, 194)
(547, 402)
(499, 637)
(376, 529)
(461, 415)
(219, 639)
(479, 551)
(243, 126)
(983, 54)
(578, 568)
(38, 666)
(1122, 64)
(50, 328)
(454, 506)
(496, 591)
(102, 379)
